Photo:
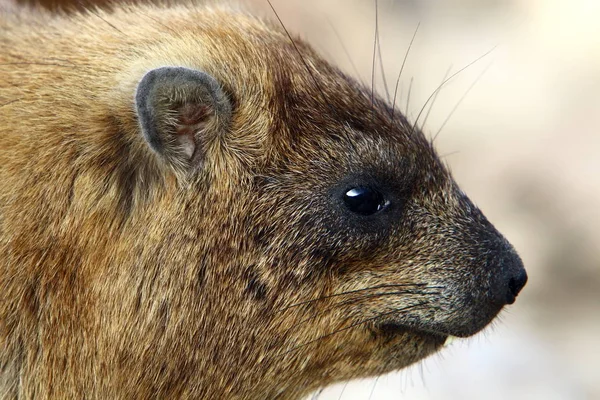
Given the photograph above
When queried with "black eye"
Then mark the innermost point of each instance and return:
(364, 200)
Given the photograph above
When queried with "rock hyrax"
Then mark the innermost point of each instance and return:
(194, 206)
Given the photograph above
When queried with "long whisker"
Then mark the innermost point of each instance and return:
(435, 98)
(446, 81)
(402, 69)
(373, 389)
(460, 101)
(97, 14)
(374, 53)
(359, 299)
(410, 85)
(352, 292)
(344, 48)
(317, 394)
(343, 390)
(449, 154)
(354, 325)
(310, 72)
(382, 69)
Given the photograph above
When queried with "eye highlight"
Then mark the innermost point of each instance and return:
(364, 201)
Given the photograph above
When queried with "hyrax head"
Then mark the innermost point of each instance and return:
(324, 238)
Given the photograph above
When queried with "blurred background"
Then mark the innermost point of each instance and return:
(520, 129)
(524, 144)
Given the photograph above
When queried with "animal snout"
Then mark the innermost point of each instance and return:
(506, 271)
(516, 281)
(511, 277)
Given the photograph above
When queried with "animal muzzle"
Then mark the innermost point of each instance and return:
(507, 275)
(515, 281)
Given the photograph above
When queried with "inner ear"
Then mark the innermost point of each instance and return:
(178, 109)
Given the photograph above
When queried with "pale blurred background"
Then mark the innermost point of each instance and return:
(525, 145)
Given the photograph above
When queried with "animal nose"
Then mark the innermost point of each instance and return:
(515, 284)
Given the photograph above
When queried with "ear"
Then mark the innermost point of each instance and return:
(178, 109)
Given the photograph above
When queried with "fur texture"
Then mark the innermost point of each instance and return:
(125, 275)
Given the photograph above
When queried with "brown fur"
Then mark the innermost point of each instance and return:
(121, 277)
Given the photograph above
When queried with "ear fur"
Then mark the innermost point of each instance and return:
(178, 109)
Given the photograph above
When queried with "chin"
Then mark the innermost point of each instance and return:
(401, 346)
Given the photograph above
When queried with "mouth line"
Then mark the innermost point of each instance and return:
(442, 339)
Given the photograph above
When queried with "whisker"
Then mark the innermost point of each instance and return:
(408, 95)
(310, 72)
(343, 390)
(449, 154)
(461, 100)
(352, 292)
(344, 48)
(382, 69)
(361, 298)
(354, 325)
(373, 389)
(435, 98)
(401, 90)
(97, 14)
(374, 52)
(448, 80)
(317, 394)
(402, 69)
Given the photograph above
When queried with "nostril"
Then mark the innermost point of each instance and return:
(515, 284)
